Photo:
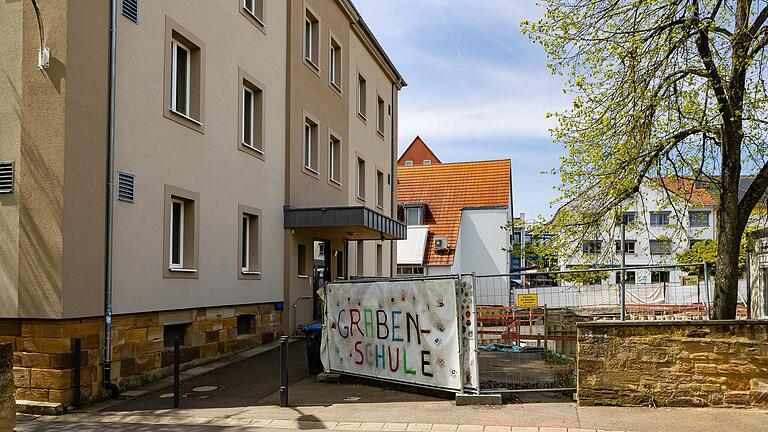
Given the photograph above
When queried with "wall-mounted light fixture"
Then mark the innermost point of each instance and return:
(43, 53)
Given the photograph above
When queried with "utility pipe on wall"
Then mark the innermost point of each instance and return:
(107, 360)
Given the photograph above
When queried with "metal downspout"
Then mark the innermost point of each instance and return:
(107, 361)
(393, 181)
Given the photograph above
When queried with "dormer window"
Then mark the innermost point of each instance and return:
(414, 215)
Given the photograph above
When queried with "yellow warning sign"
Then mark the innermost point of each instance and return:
(527, 300)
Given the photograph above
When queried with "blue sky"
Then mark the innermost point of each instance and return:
(477, 88)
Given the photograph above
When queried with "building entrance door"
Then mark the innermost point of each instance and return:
(321, 273)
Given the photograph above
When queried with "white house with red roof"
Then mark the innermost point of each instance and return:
(454, 213)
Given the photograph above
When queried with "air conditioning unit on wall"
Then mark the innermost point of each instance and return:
(441, 244)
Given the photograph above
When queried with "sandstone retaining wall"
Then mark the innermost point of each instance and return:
(7, 401)
(43, 354)
(673, 363)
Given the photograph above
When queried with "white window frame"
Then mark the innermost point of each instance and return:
(175, 45)
(331, 163)
(252, 10)
(308, 143)
(251, 123)
(180, 264)
(245, 238)
(409, 163)
(380, 189)
(362, 97)
(361, 179)
(333, 65)
(427, 162)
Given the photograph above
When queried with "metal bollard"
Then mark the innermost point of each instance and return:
(76, 360)
(284, 371)
(176, 374)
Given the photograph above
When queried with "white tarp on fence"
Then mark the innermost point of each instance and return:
(401, 330)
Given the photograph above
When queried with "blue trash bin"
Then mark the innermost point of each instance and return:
(314, 334)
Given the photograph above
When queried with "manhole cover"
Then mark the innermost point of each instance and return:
(205, 388)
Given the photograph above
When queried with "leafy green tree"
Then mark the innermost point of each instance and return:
(704, 251)
(661, 89)
(583, 278)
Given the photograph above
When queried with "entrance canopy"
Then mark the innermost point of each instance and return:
(353, 223)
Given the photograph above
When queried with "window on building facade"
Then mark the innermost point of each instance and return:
(255, 8)
(427, 162)
(629, 246)
(659, 276)
(310, 145)
(380, 115)
(659, 218)
(251, 111)
(361, 95)
(409, 163)
(183, 85)
(628, 218)
(334, 160)
(180, 78)
(592, 246)
(249, 242)
(698, 218)
(311, 38)
(660, 247)
(379, 260)
(379, 189)
(334, 64)
(361, 178)
(180, 233)
(407, 270)
(630, 277)
(413, 216)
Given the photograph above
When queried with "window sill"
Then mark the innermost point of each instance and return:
(181, 270)
(310, 172)
(302, 276)
(256, 21)
(380, 207)
(186, 117)
(253, 151)
(362, 118)
(312, 66)
(380, 133)
(336, 88)
(360, 199)
(335, 184)
(251, 273)
(184, 120)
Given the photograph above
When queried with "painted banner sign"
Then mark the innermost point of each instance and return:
(404, 331)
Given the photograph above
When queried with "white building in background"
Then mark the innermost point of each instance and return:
(660, 223)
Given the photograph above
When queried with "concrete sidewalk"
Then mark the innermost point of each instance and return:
(244, 396)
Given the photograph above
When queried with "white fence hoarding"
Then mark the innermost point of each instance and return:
(397, 330)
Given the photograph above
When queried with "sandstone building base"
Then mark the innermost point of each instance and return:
(142, 347)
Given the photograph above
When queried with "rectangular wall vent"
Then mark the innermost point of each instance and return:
(126, 187)
(130, 10)
(6, 176)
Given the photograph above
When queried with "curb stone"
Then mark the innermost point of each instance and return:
(297, 424)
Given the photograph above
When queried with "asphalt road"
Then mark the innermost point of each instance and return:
(240, 385)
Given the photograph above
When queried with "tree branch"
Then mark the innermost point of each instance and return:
(753, 195)
(759, 21)
(705, 53)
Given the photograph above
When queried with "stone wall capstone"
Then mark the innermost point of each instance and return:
(7, 399)
(673, 363)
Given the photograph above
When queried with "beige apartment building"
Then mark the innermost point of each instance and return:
(195, 182)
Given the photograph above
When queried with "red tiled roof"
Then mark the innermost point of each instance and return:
(446, 189)
(685, 189)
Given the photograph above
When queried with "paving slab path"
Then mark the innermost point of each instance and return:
(244, 396)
